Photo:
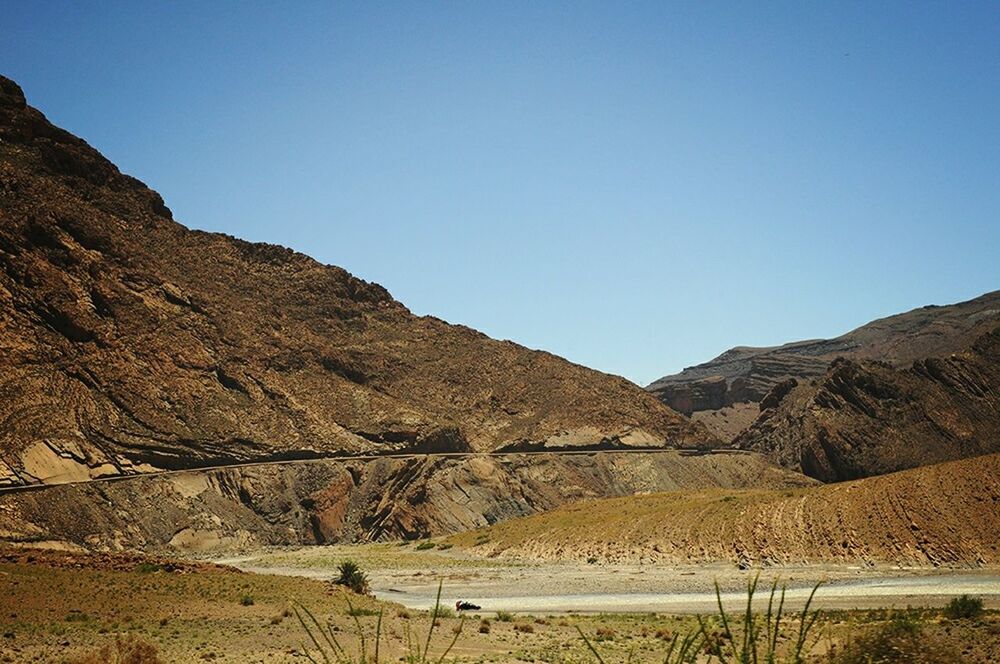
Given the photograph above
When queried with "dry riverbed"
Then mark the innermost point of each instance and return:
(409, 574)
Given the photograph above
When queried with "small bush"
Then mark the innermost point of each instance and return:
(901, 640)
(148, 568)
(423, 546)
(246, 600)
(484, 626)
(964, 607)
(352, 577)
(126, 650)
(605, 634)
(356, 611)
(526, 628)
(505, 616)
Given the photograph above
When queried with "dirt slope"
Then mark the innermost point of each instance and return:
(328, 501)
(868, 418)
(129, 342)
(720, 392)
(942, 514)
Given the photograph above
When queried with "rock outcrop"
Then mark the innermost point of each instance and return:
(330, 501)
(129, 343)
(717, 392)
(867, 417)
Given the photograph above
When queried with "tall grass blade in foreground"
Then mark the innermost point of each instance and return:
(759, 643)
(329, 650)
(681, 650)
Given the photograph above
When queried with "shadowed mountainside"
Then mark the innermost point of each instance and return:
(868, 418)
(129, 343)
(945, 514)
(721, 393)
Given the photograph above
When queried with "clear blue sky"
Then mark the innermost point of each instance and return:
(633, 186)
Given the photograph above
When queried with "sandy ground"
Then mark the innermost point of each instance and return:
(410, 577)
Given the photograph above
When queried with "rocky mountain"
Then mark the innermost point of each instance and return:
(723, 392)
(129, 343)
(944, 514)
(868, 417)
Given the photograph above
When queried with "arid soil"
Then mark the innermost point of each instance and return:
(53, 612)
(128, 342)
(868, 418)
(946, 514)
(328, 501)
(745, 375)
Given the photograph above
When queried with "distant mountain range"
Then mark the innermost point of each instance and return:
(723, 393)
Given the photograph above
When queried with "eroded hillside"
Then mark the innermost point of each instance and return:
(868, 418)
(129, 343)
(945, 514)
(328, 501)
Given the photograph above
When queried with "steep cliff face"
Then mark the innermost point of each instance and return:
(868, 418)
(718, 392)
(330, 501)
(129, 343)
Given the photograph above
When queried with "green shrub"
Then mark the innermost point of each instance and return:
(423, 546)
(355, 611)
(148, 568)
(505, 616)
(246, 600)
(964, 607)
(352, 577)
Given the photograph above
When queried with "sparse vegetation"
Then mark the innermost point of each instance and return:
(505, 616)
(750, 639)
(352, 577)
(246, 600)
(424, 546)
(899, 640)
(325, 644)
(964, 607)
(125, 650)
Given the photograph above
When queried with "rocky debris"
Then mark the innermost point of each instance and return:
(129, 343)
(869, 418)
(945, 514)
(746, 374)
(328, 501)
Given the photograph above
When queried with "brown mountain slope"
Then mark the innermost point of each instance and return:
(720, 393)
(331, 501)
(868, 418)
(129, 342)
(946, 514)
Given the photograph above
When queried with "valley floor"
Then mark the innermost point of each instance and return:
(61, 607)
(404, 574)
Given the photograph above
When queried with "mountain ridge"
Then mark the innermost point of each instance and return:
(133, 343)
(722, 392)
